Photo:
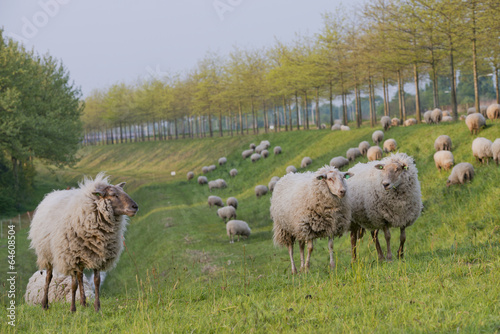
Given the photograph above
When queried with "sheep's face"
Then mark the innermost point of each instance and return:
(392, 174)
(120, 201)
(335, 181)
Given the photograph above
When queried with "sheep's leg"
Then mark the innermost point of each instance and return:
(83, 301)
(74, 286)
(387, 234)
(402, 239)
(48, 279)
(330, 250)
(310, 248)
(97, 284)
(302, 244)
(290, 252)
(377, 245)
(354, 241)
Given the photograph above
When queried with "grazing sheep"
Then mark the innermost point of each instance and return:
(252, 146)
(215, 201)
(307, 206)
(264, 153)
(272, 183)
(471, 110)
(222, 161)
(481, 149)
(384, 194)
(495, 149)
(443, 160)
(255, 157)
(395, 122)
(374, 153)
(363, 147)
(344, 128)
(233, 172)
(265, 143)
(232, 201)
(213, 185)
(277, 150)
(390, 145)
(190, 175)
(462, 117)
(442, 143)
(221, 183)
(306, 161)
(460, 174)
(260, 148)
(493, 111)
(377, 137)
(428, 117)
(261, 190)
(386, 122)
(323, 126)
(226, 213)
(245, 154)
(447, 119)
(475, 122)
(446, 113)
(339, 162)
(352, 153)
(59, 288)
(237, 227)
(204, 169)
(211, 168)
(336, 127)
(437, 116)
(202, 180)
(291, 169)
(81, 228)
(410, 122)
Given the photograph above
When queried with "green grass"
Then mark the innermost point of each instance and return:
(179, 273)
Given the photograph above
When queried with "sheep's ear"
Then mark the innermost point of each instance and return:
(120, 185)
(379, 166)
(99, 192)
(348, 175)
(321, 177)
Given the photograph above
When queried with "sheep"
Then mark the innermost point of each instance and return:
(374, 153)
(386, 122)
(307, 206)
(437, 116)
(226, 213)
(462, 117)
(237, 227)
(446, 113)
(481, 149)
(442, 143)
(221, 183)
(255, 157)
(447, 119)
(222, 161)
(204, 169)
(202, 180)
(363, 147)
(213, 185)
(344, 128)
(245, 154)
(306, 161)
(339, 162)
(211, 168)
(59, 288)
(277, 150)
(265, 143)
(323, 126)
(260, 148)
(443, 160)
(81, 228)
(233, 172)
(215, 201)
(428, 117)
(384, 194)
(410, 122)
(461, 173)
(377, 137)
(190, 175)
(232, 201)
(495, 149)
(261, 190)
(493, 111)
(395, 122)
(252, 146)
(475, 122)
(291, 169)
(336, 127)
(471, 110)
(264, 153)
(352, 153)
(390, 145)
(272, 183)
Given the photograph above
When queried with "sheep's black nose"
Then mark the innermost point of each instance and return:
(386, 184)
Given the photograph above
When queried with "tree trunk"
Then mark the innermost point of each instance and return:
(330, 97)
(266, 120)
(371, 101)
(399, 97)
(453, 89)
(297, 106)
(497, 88)
(386, 112)
(474, 59)
(176, 129)
(285, 115)
(357, 105)
(306, 114)
(318, 119)
(417, 95)
(220, 123)
(435, 87)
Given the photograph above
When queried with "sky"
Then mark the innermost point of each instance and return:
(106, 42)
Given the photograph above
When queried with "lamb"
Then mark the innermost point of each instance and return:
(306, 161)
(344, 128)
(202, 180)
(384, 194)
(428, 117)
(237, 227)
(395, 122)
(374, 153)
(255, 157)
(460, 174)
(336, 127)
(81, 228)
(204, 169)
(495, 149)
(245, 154)
(437, 115)
(363, 147)
(481, 149)
(272, 183)
(226, 213)
(442, 143)
(493, 111)
(377, 137)
(291, 169)
(386, 122)
(410, 122)
(215, 201)
(390, 145)
(59, 288)
(252, 146)
(232, 201)
(307, 206)
(261, 190)
(447, 119)
(264, 153)
(211, 168)
(475, 122)
(222, 161)
(443, 160)
(353, 153)
(233, 172)
(339, 162)
(277, 150)
(323, 126)
(190, 175)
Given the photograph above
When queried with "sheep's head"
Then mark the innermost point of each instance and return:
(120, 201)
(334, 179)
(392, 174)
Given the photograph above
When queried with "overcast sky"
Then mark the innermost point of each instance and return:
(105, 42)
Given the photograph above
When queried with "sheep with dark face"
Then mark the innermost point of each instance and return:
(363, 147)
(460, 174)
(386, 122)
(190, 175)
(377, 137)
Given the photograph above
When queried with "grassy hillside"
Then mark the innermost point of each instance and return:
(180, 274)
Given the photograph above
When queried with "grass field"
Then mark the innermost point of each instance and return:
(179, 273)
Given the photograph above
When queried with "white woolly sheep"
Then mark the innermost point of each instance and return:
(277, 150)
(307, 206)
(374, 153)
(462, 117)
(215, 201)
(226, 213)
(261, 190)
(81, 228)
(211, 168)
(260, 148)
(471, 110)
(437, 116)
(339, 162)
(447, 119)
(336, 127)
(443, 160)
(272, 183)
(377, 137)
(493, 111)
(344, 128)
(213, 185)
(59, 288)
(252, 146)
(264, 153)
(352, 153)
(395, 122)
(410, 122)
(232, 201)
(390, 145)
(233, 172)
(291, 169)
(446, 113)
(190, 175)
(386, 122)
(481, 149)
(460, 174)
(323, 126)
(245, 154)
(265, 143)
(475, 122)
(255, 157)
(495, 150)
(384, 194)
(306, 161)
(428, 117)
(237, 227)
(442, 143)
(222, 161)
(202, 180)
(363, 147)
(204, 169)
(222, 183)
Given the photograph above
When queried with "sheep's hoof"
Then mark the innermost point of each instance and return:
(45, 306)
(97, 307)
(73, 309)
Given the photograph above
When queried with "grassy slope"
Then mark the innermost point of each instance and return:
(179, 273)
